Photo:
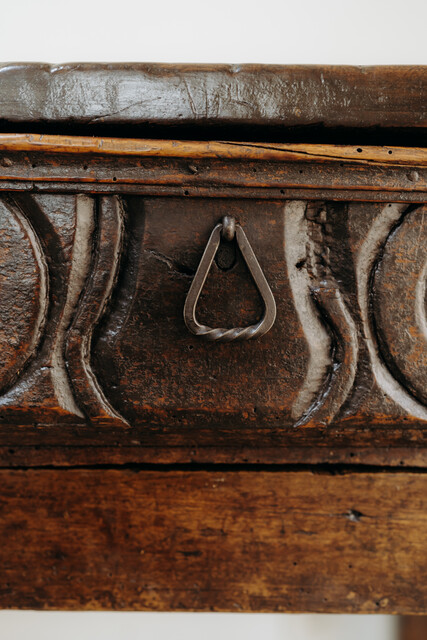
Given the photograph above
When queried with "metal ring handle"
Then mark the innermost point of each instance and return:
(228, 228)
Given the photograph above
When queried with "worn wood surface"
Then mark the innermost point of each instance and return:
(41, 448)
(413, 627)
(112, 186)
(48, 144)
(233, 541)
(173, 167)
(99, 343)
(244, 98)
(122, 435)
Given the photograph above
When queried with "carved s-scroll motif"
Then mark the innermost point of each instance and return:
(42, 391)
(328, 326)
(57, 271)
(99, 287)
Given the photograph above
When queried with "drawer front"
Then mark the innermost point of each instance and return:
(93, 288)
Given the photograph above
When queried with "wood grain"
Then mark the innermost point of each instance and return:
(211, 96)
(212, 149)
(113, 187)
(216, 169)
(233, 541)
(413, 628)
(122, 436)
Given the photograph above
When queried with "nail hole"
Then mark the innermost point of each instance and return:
(114, 178)
(359, 150)
(390, 152)
(85, 167)
(186, 193)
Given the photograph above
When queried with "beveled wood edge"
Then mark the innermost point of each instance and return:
(329, 97)
(14, 455)
(103, 146)
(333, 194)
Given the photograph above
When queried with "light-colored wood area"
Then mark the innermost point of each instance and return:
(213, 149)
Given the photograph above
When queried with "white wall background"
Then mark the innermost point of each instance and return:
(265, 31)
(28, 625)
(234, 31)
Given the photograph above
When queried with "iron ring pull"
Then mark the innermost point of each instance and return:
(228, 228)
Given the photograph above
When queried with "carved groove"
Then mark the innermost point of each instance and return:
(332, 367)
(399, 303)
(44, 390)
(346, 352)
(373, 246)
(420, 302)
(318, 339)
(24, 290)
(79, 271)
(91, 308)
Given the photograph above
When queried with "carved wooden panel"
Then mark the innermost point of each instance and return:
(320, 364)
(96, 350)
